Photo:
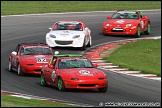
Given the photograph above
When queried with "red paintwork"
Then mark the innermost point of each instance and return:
(131, 30)
(68, 73)
(29, 63)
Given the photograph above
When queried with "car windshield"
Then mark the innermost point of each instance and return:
(125, 15)
(75, 63)
(36, 50)
(68, 26)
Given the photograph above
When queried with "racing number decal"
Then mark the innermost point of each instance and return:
(41, 60)
(142, 24)
(53, 75)
(84, 72)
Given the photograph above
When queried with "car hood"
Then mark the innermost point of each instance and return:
(66, 32)
(36, 58)
(83, 71)
(121, 21)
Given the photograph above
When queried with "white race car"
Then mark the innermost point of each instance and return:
(69, 33)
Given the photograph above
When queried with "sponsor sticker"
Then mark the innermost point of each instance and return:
(53, 76)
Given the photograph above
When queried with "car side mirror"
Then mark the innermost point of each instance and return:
(95, 65)
(14, 52)
(51, 66)
(144, 17)
(50, 28)
(108, 17)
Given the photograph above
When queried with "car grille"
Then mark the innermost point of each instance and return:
(63, 42)
(37, 70)
(117, 30)
(30, 64)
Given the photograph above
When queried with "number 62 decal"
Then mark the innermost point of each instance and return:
(41, 60)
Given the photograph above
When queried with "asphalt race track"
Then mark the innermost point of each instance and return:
(33, 28)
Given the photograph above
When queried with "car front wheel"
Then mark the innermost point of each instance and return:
(103, 90)
(138, 32)
(42, 80)
(148, 30)
(105, 34)
(60, 84)
(84, 45)
(19, 71)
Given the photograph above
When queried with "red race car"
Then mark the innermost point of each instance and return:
(29, 58)
(124, 22)
(73, 71)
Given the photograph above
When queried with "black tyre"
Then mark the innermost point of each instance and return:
(19, 70)
(42, 80)
(103, 90)
(138, 32)
(84, 45)
(105, 34)
(148, 30)
(60, 84)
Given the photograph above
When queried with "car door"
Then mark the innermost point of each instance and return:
(145, 22)
(50, 73)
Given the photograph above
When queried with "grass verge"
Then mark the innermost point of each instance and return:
(7, 101)
(34, 7)
(143, 55)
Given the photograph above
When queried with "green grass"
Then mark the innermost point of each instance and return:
(33, 7)
(143, 55)
(7, 101)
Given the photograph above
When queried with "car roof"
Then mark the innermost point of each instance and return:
(70, 21)
(33, 44)
(127, 11)
(65, 56)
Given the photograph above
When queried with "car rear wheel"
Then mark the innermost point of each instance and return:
(19, 71)
(138, 32)
(42, 80)
(103, 90)
(60, 84)
(84, 45)
(148, 30)
(10, 66)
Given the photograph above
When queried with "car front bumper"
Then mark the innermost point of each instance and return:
(85, 84)
(52, 42)
(32, 69)
(120, 31)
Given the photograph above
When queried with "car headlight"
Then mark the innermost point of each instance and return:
(108, 25)
(128, 25)
(52, 36)
(76, 36)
